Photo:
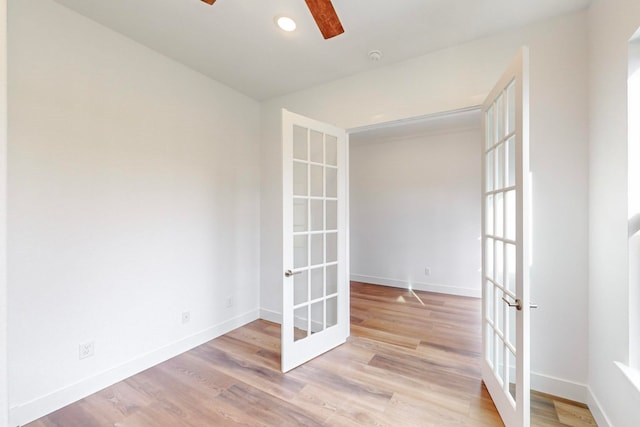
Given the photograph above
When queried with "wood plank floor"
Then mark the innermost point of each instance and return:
(412, 360)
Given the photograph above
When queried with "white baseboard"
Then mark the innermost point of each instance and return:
(30, 411)
(559, 387)
(428, 287)
(271, 316)
(596, 410)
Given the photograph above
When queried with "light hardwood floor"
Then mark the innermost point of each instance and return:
(412, 360)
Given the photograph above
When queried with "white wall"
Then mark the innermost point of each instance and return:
(611, 25)
(133, 196)
(415, 203)
(461, 77)
(4, 401)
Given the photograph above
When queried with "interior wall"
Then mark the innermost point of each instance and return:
(611, 25)
(133, 196)
(461, 77)
(415, 204)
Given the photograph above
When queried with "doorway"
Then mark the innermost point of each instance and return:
(415, 205)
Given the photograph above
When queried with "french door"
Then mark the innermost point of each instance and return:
(505, 244)
(315, 287)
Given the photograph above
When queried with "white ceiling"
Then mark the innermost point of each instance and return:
(237, 43)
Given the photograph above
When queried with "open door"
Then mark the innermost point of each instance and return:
(315, 308)
(505, 244)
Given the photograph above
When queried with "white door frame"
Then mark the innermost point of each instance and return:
(4, 392)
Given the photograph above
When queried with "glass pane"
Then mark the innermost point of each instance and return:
(488, 257)
(499, 118)
(332, 247)
(511, 107)
(332, 182)
(499, 305)
(488, 299)
(490, 172)
(332, 214)
(316, 143)
(511, 326)
(499, 181)
(316, 181)
(317, 316)
(511, 373)
(300, 215)
(499, 212)
(301, 288)
(510, 253)
(489, 215)
(332, 279)
(300, 318)
(489, 127)
(300, 251)
(499, 256)
(317, 249)
(511, 162)
(499, 368)
(299, 179)
(331, 147)
(317, 215)
(299, 143)
(332, 312)
(317, 283)
(489, 350)
(510, 215)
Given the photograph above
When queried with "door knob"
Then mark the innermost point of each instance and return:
(290, 273)
(517, 304)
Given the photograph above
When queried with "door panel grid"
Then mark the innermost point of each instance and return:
(505, 289)
(314, 301)
(500, 237)
(314, 230)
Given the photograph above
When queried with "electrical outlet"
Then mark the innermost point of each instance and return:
(186, 316)
(427, 271)
(85, 350)
(229, 302)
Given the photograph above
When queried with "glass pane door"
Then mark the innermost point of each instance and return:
(315, 286)
(505, 365)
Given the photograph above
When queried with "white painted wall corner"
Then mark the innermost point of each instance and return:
(596, 410)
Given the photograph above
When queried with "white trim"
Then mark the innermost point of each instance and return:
(596, 410)
(633, 375)
(271, 316)
(30, 411)
(559, 387)
(412, 120)
(418, 286)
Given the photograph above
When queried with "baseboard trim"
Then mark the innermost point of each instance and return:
(271, 316)
(428, 287)
(559, 387)
(596, 410)
(37, 408)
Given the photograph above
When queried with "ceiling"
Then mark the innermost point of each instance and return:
(237, 43)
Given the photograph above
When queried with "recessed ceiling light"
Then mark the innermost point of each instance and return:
(285, 23)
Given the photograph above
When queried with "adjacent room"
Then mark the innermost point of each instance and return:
(165, 163)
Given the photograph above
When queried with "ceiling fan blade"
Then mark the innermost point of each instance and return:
(209, 1)
(326, 17)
